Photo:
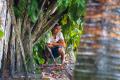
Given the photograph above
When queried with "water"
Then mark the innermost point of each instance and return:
(99, 51)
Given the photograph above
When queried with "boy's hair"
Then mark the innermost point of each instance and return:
(55, 26)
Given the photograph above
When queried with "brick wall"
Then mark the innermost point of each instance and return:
(99, 51)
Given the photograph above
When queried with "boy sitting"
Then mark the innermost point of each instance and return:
(55, 45)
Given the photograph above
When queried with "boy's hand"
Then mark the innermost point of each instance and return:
(50, 45)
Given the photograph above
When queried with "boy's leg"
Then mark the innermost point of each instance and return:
(62, 54)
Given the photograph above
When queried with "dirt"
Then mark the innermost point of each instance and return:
(59, 71)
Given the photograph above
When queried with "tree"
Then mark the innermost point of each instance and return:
(27, 20)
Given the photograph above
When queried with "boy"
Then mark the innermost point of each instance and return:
(56, 44)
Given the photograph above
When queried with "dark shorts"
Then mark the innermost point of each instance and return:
(55, 51)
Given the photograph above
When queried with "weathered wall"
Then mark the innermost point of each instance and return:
(99, 51)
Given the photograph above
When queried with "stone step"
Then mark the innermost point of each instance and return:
(100, 1)
(94, 16)
(91, 13)
(94, 9)
(92, 21)
(86, 25)
(87, 36)
(111, 7)
(86, 49)
(89, 46)
(89, 4)
(89, 67)
(113, 15)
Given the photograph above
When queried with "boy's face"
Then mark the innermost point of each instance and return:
(57, 29)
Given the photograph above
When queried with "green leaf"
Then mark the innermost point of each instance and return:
(1, 33)
(20, 8)
(41, 61)
(33, 10)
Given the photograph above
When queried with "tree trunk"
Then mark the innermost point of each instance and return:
(18, 41)
(17, 59)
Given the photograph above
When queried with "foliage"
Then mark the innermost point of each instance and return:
(71, 22)
(23, 7)
(33, 11)
(20, 8)
(38, 11)
(72, 34)
(1, 33)
(76, 8)
(39, 47)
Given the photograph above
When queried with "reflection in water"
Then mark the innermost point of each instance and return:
(99, 51)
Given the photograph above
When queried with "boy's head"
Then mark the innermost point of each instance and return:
(56, 29)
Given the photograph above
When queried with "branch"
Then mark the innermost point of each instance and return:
(47, 26)
(43, 4)
(42, 17)
(42, 30)
(25, 15)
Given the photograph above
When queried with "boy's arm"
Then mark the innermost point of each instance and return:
(59, 43)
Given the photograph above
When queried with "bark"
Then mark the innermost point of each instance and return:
(7, 58)
(17, 54)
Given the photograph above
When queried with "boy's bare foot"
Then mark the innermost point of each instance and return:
(55, 62)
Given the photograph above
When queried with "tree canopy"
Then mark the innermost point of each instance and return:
(42, 14)
(72, 25)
